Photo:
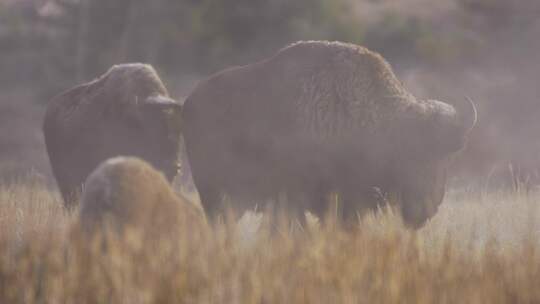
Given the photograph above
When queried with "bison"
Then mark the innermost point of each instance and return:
(319, 118)
(129, 193)
(126, 111)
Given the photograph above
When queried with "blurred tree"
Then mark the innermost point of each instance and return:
(508, 123)
(73, 40)
(245, 29)
(21, 38)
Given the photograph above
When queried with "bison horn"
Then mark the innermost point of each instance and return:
(467, 114)
(162, 101)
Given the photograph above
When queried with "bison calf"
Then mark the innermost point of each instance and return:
(129, 194)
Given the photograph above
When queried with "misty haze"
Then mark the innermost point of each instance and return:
(249, 151)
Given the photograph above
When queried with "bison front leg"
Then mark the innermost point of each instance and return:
(70, 188)
(354, 203)
(318, 202)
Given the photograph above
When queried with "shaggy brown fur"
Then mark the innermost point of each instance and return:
(320, 117)
(129, 194)
(126, 111)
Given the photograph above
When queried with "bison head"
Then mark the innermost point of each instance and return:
(159, 124)
(150, 129)
(423, 161)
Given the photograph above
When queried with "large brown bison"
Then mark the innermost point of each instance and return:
(126, 111)
(129, 193)
(319, 118)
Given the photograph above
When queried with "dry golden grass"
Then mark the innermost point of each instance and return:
(480, 248)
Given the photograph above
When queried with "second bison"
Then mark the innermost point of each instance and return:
(319, 118)
(126, 111)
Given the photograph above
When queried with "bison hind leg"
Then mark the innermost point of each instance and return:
(210, 198)
(310, 199)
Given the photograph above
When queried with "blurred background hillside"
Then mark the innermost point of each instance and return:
(447, 49)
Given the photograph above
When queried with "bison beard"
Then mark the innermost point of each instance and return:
(317, 118)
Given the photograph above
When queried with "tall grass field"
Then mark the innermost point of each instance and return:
(479, 248)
